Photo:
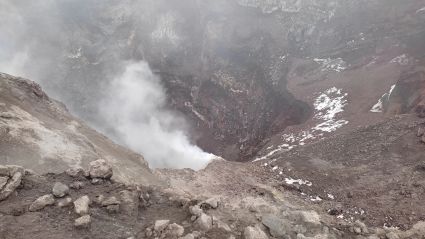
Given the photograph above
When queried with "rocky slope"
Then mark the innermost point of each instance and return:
(39, 133)
(367, 183)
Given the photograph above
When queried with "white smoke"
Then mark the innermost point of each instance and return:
(135, 107)
(37, 38)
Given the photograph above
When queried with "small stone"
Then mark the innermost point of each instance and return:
(99, 199)
(254, 233)
(188, 236)
(74, 172)
(421, 132)
(65, 202)
(362, 226)
(113, 208)
(223, 226)
(60, 190)
(148, 232)
(76, 185)
(81, 205)
(175, 230)
(357, 230)
(212, 203)
(111, 201)
(82, 222)
(204, 222)
(195, 210)
(160, 225)
(100, 169)
(28, 172)
(392, 235)
(96, 181)
(42, 202)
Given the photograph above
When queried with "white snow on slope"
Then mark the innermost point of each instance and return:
(328, 105)
(329, 64)
(291, 181)
(379, 107)
(401, 60)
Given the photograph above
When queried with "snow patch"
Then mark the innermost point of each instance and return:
(379, 107)
(75, 54)
(421, 10)
(328, 105)
(329, 64)
(291, 181)
(315, 199)
(402, 60)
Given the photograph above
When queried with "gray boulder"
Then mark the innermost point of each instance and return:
(188, 236)
(60, 190)
(100, 169)
(204, 222)
(277, 226)
(42, 202)
(254, 233)
(65, 202)
(161, 225)
(211, 202)
(195, 210)
(81, 205)
(175, 230)
(82, 222)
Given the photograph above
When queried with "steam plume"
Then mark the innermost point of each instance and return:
(39, 41)
(135, 106)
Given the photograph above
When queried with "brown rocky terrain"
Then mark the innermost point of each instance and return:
(367, 183)
(327, 97)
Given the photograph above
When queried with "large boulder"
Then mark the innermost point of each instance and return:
(100, 169)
